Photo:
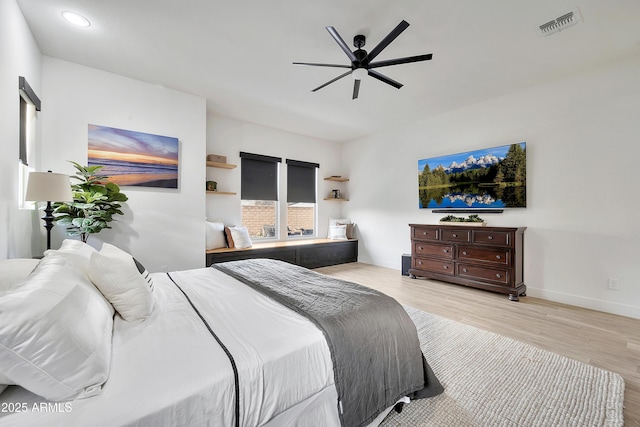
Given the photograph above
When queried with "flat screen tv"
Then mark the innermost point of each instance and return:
(488, 178)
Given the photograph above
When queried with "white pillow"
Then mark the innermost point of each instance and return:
(215, 235)
(14, 271)
(75, 251)
(126, 286)
(338, 232)
(336, 221)
(55, 333)
(4, 382)
(241, 239)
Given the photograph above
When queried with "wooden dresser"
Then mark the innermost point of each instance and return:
(481, 257)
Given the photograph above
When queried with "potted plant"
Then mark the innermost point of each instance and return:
(473, 220)
(95, 202)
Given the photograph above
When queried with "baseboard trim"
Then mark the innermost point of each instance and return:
(584, 302)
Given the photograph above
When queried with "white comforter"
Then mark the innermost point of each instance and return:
(169, 370)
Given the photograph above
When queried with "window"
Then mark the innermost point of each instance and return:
(29, 104)
(259, 194)
(301, 198)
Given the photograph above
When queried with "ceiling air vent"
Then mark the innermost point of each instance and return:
(560, 23)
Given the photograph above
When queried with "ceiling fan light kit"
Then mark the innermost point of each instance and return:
(361, 61)
(359, 73)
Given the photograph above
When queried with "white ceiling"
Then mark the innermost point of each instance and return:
(238, 54)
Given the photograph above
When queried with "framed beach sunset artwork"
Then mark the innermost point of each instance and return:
(134, 158)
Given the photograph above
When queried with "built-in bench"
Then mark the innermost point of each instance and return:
(312, 253)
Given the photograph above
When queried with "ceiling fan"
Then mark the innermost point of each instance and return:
(361, 61)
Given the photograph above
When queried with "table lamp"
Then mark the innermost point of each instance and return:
(48, 186)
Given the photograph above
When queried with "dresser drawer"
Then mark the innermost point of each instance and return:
(433, 265)
(488, 255)
(434, 250)
(498, 238)
(493, 275)
(424, 233)
(455, 235)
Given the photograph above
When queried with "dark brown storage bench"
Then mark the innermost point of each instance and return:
(312, 253)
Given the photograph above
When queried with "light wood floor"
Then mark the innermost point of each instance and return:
(604, 340)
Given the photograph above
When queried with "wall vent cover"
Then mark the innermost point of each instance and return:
(560, 23)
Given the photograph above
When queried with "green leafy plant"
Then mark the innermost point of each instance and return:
(95, 202)
(453, 218)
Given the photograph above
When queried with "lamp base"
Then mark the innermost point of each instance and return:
(48, 219)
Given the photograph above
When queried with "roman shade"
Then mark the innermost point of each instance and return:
(301, 181)
(259, 176)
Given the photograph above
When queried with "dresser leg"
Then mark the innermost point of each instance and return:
(514, 297)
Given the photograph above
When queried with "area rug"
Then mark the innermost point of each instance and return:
(491, 380)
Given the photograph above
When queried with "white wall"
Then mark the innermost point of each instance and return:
(161, 227)
(229, 137)
(582, 160)
(20, 57)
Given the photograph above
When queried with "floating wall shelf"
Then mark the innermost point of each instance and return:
(221, 165)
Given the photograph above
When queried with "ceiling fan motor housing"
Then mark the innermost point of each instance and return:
(361, 58)
(359, 40)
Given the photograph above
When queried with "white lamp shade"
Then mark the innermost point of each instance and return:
(48, 187)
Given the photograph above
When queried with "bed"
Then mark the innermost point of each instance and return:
(198, 347)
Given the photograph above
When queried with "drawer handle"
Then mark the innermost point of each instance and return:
(454, 235)
(445, 267)
(464, 270)
(498, 256)
(490, 237)
(420, 262)
(464, 252)
(446, 251)
(424, 233)
(498, 275)
(420, 247)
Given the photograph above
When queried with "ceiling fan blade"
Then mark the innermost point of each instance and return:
(313, 64)
(331, 81)
(356, 88)
(385, 79)
(390, 37)
(397, 61)
(341, 43)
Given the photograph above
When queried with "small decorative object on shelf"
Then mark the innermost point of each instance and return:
(212, 186)
(472, 220)
(335, 194)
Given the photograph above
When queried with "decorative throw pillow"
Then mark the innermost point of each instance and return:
(339, 221)
(215, 235)
(351, 234)
(336, 221)
(15, 271)
(128, 287)
(55, 333)
(338, 232)
(75, 251)
(241, 238)
(229, 237)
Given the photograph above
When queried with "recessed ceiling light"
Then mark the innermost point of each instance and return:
(76, 19)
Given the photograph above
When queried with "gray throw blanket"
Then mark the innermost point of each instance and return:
(373, 342)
